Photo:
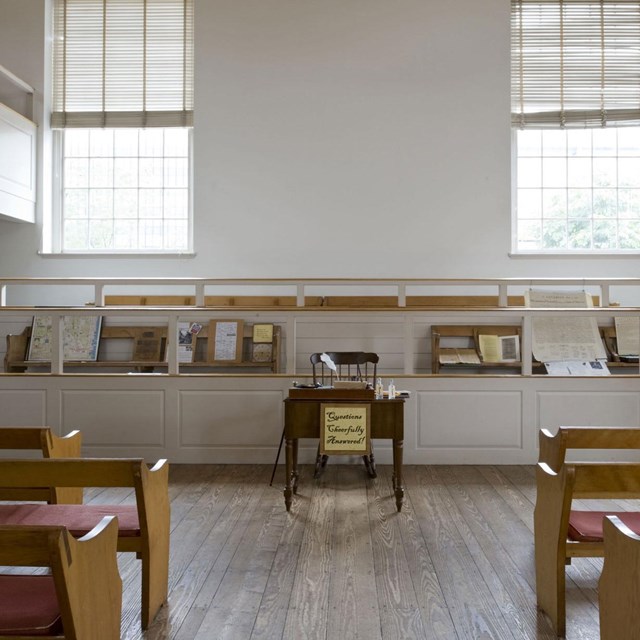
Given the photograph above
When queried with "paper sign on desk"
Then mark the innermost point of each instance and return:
(345, 429)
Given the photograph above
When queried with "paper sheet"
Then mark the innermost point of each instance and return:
(499, 348)
(628, 335)
(489, 348)
(565, 339)
(549, 299)
(226, 340)
(577, 368)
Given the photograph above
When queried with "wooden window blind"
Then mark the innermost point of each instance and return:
(122, 63)
(575, 63)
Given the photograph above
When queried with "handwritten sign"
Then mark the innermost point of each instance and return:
(262, 333)
(224, 342)
(345, 429)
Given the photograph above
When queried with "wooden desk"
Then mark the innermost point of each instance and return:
(302, 420)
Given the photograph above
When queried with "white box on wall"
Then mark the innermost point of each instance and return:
(17, 166)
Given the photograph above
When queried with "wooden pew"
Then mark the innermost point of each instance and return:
(553, 448)
(143, 527)
(42, 439)
(561, 533)
(81, 599)
(619, 586)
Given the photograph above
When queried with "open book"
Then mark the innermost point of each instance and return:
(499, 348)
(458, 356)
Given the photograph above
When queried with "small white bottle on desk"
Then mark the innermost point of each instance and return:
(392, 390)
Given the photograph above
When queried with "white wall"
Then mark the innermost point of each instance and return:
(334, 138)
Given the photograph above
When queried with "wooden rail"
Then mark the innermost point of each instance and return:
(298, 289)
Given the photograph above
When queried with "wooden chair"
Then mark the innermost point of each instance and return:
(561, 533)
(143, 527)
(619, 586)
(42, 439)
(350, 365)
(80, 600)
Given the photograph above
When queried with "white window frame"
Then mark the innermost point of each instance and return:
(120, 95)
(542, 104)
(541, 252)
(58, 210)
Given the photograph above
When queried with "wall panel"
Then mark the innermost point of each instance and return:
(23, 407)
(230, 418)
(115, 417)
(470, 419)
(588, 409)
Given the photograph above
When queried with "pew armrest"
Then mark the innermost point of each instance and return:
(619, 586)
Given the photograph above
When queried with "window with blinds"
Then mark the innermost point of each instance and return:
(122, 112)
(122, 63)
(575, 110)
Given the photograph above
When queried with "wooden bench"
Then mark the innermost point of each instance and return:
(42, 439)
(143, 527)
(16, 356)
(561, 533)
(81, 599)
(619, 586)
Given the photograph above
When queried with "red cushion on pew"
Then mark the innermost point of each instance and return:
(29, 606)
(586, 526)
(78, 518)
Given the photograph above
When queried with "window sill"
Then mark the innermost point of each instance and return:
(579, 255)
(119, 254)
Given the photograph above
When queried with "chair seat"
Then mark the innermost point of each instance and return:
(29, 606)
(586, 526)
(78, 518)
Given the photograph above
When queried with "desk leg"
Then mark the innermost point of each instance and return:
(398, 484)
(288, 488)
(294, 471)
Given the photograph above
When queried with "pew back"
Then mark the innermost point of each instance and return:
(150, 542)
(84, 573)
(553, 448)
(619, 585)
(49, 445)
(561, 533)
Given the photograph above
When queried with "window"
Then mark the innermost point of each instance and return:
(122, 113)
(576, 119)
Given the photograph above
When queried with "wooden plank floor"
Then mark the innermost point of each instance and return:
(456, 564)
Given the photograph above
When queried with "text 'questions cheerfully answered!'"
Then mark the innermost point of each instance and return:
(345, 429)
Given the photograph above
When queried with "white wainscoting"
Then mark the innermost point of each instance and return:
(238, 419)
